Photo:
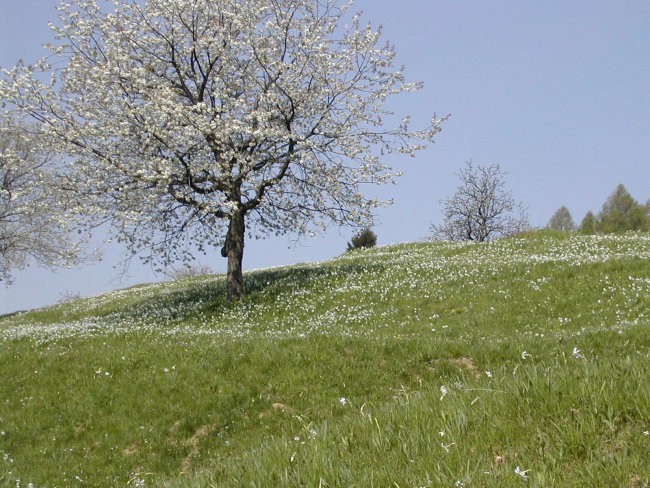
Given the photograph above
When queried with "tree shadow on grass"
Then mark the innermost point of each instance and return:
(207, 294)
(262, 286)
(272, 283)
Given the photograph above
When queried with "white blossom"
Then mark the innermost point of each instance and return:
(190, 124)
(522, 473)
(576, 353)
(33, 216)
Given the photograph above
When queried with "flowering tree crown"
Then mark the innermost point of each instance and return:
(176, 117)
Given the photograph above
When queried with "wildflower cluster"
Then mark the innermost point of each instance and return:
(353, 295)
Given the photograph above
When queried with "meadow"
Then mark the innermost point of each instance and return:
(519, 362)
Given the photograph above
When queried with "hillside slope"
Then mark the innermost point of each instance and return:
(524, 360)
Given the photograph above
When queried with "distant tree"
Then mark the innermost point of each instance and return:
(189, 271)
(202, 122)
(588, 224)
(68, 296)
(481, 209)
(621, 212)
(365, 239)
(562, 220)
(33, 224)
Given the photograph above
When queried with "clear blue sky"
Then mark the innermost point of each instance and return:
(556, 92)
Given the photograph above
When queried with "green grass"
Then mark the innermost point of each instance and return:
(416, 365)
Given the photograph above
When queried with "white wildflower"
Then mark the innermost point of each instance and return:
(443, 390)
(446, 447)
(577, 354)
(523, 473)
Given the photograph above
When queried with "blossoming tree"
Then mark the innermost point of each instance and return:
(195, 123)
(33, 224)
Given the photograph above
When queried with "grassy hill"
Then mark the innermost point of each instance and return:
(522, 362)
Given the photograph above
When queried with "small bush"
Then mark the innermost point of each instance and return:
(68, 296)
(363, 240)
(188, 272)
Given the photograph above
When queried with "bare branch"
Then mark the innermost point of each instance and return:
(481, 209)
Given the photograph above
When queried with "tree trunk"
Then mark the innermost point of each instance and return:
(234, 251)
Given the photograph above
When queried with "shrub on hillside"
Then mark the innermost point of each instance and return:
(363, 240)
(188, 272)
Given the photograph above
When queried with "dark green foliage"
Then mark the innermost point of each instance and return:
(588, 224)
(562, 220)
(363, 240)
(621, 213)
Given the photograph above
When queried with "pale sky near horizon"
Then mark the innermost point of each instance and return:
(556, 92)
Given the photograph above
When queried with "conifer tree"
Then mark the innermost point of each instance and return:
(588, 224)
(621, 213)
(562, 220)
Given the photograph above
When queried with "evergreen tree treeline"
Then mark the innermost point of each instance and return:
(620, 213)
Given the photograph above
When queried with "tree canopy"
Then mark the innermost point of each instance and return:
(482, 208)
(562, 220)
(190, 124)
(33, 224)
(621, 212)
(588, 224)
